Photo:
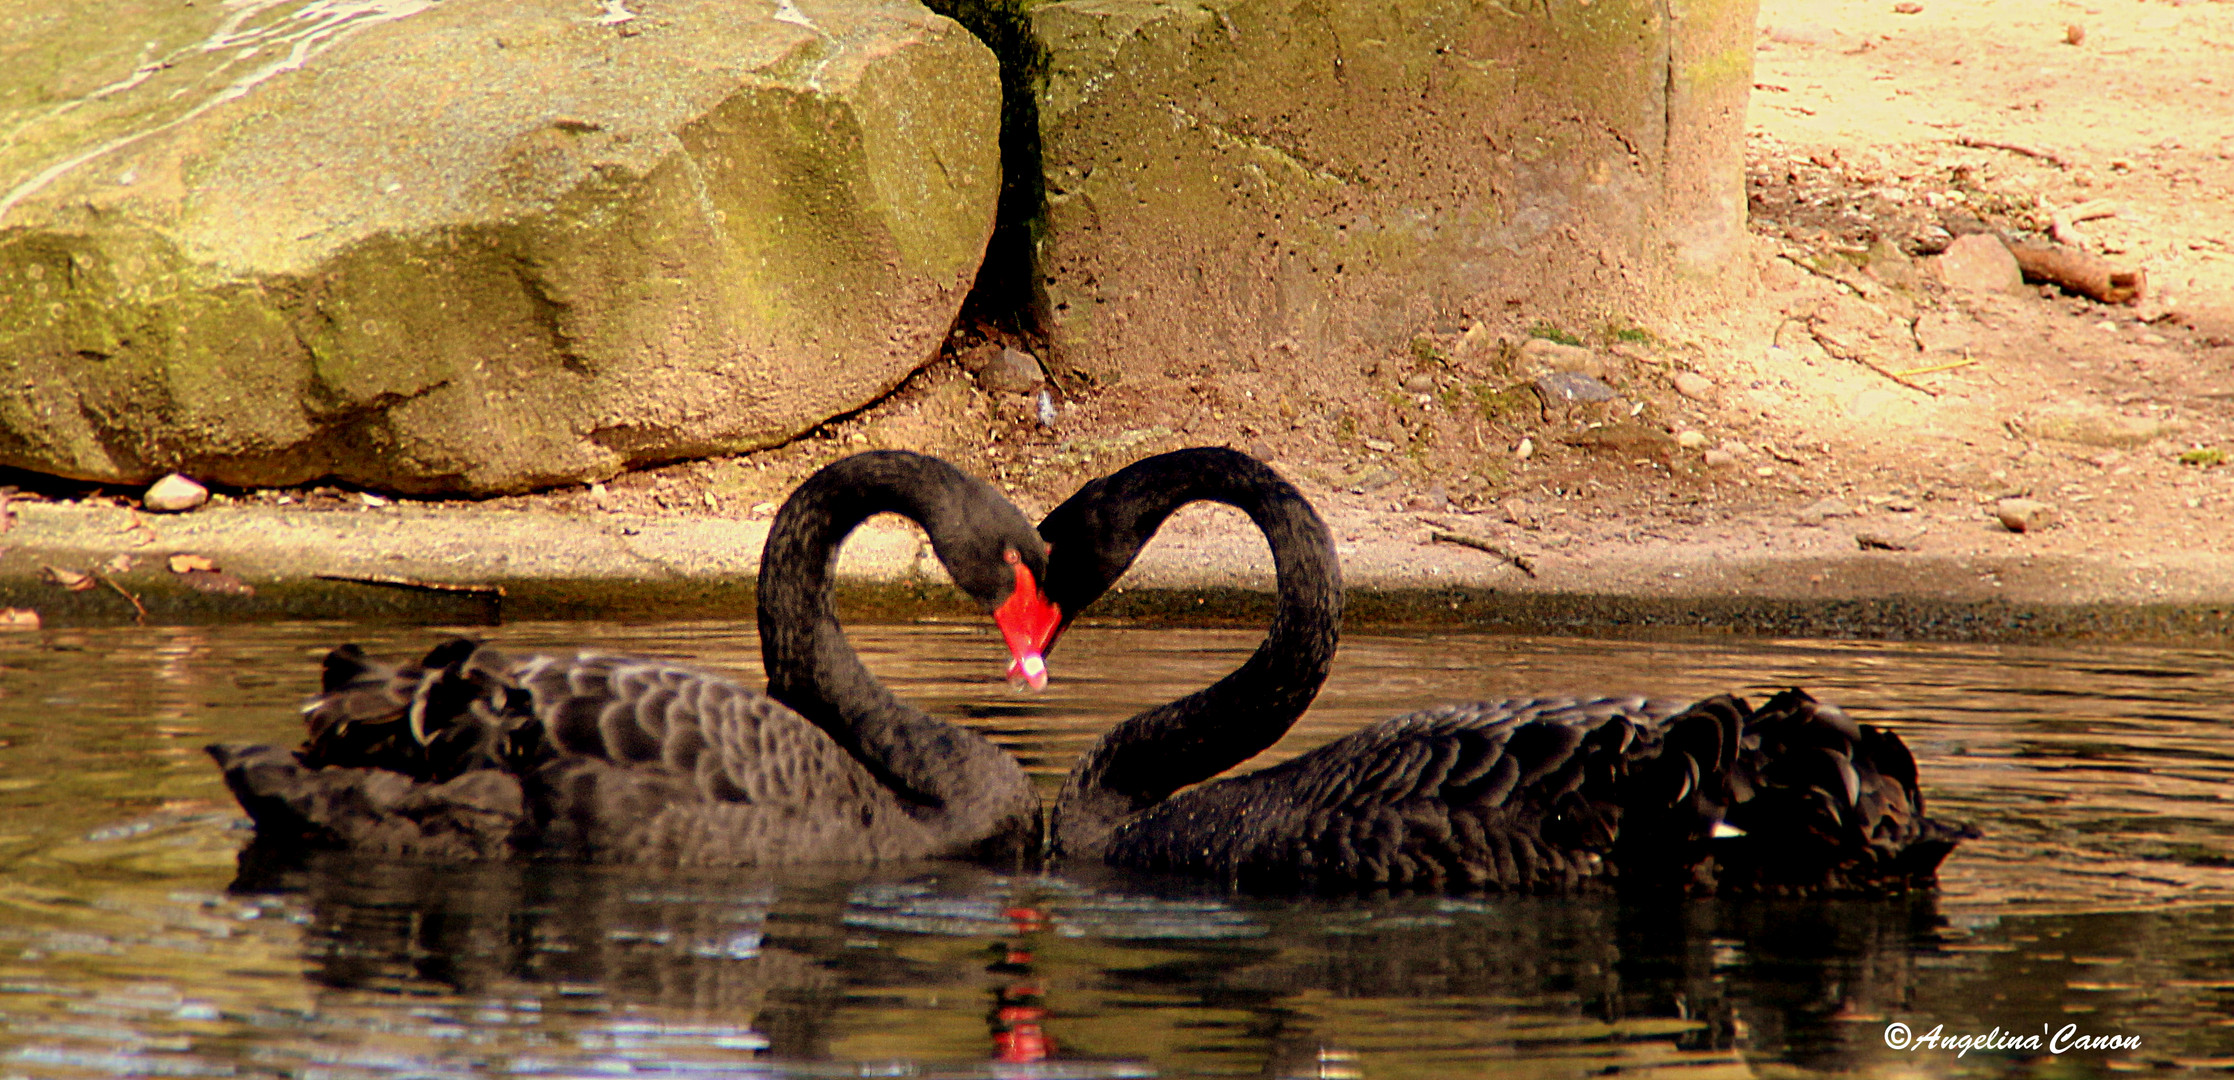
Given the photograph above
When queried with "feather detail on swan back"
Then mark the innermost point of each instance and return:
(474, 753)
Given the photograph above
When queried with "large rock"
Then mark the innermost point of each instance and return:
(1227, 176)
(473, 245)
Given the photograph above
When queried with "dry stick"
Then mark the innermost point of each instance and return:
(1950, 366)
(395, 581)
(139, 617)
(1461, 539)
(2063, 226)
(2080, 272)
(1844, 354)
(2014, 148)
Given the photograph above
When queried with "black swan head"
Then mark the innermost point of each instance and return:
(988, 548)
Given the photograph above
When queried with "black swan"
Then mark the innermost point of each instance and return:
(472, 753)
(1525, 794)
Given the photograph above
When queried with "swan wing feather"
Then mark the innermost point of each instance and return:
(473, 753)
(1502, 794)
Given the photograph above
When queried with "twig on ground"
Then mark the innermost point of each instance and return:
(1832, 347)
(2063, 226)
(1949, 366)
(399, 582)
(2080, 273)
(139, 612)
(2015, 148)
(1519, 562)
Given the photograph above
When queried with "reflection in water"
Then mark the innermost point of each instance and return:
(137, 940)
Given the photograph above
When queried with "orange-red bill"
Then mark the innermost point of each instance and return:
(1028, 622)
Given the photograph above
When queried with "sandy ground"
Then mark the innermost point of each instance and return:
(1849, 434)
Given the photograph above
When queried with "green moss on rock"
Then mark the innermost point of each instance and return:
(488, 247)
(1224, 176)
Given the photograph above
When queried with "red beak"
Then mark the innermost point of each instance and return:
(1028, 622)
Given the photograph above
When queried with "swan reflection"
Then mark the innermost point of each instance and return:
(939, 969)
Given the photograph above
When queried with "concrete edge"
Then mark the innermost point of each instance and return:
(621, 567)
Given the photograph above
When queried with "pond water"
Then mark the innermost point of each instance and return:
(133, 943)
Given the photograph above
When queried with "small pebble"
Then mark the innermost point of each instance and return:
(1691, 440)
(1477, 341)
(1434, 498)
(2024, 515)
(1419, 383)
(1382, 445)
(2074, 34)
(1815, 512)
(174, 493)
(1881, 541)
(1526, 449)
(1566, 386)
(1695, 386)
(1719, 459)
(1539, 356)
(1013, 372)
(1980, 262)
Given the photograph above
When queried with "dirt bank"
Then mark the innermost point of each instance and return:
(1829, 458)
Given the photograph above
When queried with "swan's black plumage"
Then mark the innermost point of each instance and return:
(1093, 538)
(1524, 794)
(474, 753)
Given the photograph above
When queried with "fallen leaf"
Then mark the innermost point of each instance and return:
(185, 563)
(72, 580)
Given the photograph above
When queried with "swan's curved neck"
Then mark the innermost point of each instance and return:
(956, 780)
(1149, 756)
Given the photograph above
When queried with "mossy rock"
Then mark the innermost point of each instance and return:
(490, 246)
(1273, 178)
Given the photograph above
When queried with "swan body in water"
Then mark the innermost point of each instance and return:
(1521, 794)
(477, 753)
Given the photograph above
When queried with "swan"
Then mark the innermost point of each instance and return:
(1522, 794)
(474, 753)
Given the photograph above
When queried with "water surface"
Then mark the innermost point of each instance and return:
(134, 942)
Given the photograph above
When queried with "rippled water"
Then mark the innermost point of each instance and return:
(133, 943)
